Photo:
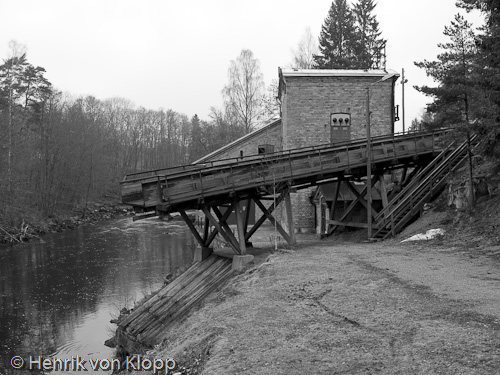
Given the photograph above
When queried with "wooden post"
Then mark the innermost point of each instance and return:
(383, 191)
(289, 215)
(240, 223)
(330, 227)
(368, 166)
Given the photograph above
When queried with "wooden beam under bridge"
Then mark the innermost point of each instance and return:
(216, 221)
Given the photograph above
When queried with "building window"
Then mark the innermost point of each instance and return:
(265, 149)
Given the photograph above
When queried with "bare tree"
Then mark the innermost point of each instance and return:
(271, 104)
(243, 93)
(303, 56)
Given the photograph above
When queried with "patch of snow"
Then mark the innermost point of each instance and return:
(429, 235)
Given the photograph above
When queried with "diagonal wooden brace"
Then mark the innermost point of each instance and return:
(222, 227)
(267, 215)
(359, 199)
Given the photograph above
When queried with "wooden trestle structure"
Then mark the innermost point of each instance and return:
(219, 188)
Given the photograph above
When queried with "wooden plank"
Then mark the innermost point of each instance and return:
(154, 336)
(347, 223)
(193, 184)
(193, 229)
(157, 314)
(383, 191)
(202, 280)
(142, 318)
(166, 292)
(289, 216)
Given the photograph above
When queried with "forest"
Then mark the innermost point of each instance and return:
(59, 152)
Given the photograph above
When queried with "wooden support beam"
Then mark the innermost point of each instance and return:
(212, 235)
(247, 214)
(264, 217)
(359, 199)
(329, 228)
(347, 224)
(273, 221)
(193, 229)
(335, 199)
(359, 196)
(410, 176)
(206, 229)
(403, 175)
(221, 227)
(225, 226)
(383, 190)
(240, 224)
(289, 216)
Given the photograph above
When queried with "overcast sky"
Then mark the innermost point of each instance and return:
(175, 54)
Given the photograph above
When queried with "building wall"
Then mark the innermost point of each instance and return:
(303, 210)
(249, 144)
(307, 103)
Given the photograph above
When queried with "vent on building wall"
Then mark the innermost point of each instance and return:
(340, 127)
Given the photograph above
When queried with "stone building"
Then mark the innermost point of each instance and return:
(320, 107)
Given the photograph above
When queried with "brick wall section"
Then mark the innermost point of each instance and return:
(308, 102)
(303, 210)
(249, 145)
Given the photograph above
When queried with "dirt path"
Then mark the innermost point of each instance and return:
(350, 308)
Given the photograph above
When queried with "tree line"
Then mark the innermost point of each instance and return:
(467, 94)
(58, 151)
(350, 38)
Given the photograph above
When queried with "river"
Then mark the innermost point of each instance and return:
(58, 295)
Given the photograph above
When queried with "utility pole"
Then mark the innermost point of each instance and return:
(403, 81)
(368, 165)
(369, 219)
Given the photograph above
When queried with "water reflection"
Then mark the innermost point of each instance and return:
(57, 296)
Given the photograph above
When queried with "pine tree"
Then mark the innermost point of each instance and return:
(351, 38)
(370, 46)
(196, 147)
(337, 39)
(454, 72)
(488, 64)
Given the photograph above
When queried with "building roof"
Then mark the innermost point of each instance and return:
(245, 138)
(293, 72)
(300, 73)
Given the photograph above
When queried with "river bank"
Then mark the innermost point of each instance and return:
(342, 306)
(33, 225)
